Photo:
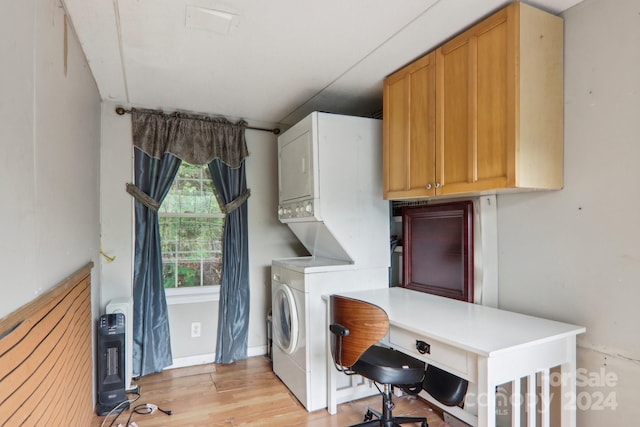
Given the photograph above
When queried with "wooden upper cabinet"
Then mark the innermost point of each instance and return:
(409, 131)
(498, 111)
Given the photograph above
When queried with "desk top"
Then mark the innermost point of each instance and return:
(482, 330)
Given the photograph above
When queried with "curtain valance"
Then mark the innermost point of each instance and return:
(193, 138)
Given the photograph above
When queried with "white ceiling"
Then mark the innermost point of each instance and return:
(268, 61)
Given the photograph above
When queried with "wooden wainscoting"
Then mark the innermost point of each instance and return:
(45, 357)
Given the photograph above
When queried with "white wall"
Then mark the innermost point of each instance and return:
(116, 205)
(268, 238)
(49, 145)
(188, 350)
(574, 255)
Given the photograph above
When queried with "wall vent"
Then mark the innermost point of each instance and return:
(396, 206)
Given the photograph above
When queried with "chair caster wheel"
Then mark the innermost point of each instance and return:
(368, 416)
(424, 424)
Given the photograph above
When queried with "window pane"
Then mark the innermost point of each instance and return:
(212, 272)
(191, 171)
(191, 239)
(169, 228)
(168, 274)
(210, 198)
(188, 273)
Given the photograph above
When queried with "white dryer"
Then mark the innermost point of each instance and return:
(300, 322)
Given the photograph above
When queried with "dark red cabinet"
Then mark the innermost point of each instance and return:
(438, 249)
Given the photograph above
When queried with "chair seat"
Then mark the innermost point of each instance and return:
(444, 386)
(387, 366)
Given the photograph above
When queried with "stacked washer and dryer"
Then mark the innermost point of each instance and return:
(330, 195)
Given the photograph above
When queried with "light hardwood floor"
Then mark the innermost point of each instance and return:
(246, 393)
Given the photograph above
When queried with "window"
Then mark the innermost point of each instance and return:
(191, 226)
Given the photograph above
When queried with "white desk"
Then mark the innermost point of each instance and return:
(487, 346)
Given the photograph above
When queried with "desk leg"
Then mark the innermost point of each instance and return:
(568, 389)
(516, 405)
(486, 395)
(545, 400)
(531, 400)
(332, 406)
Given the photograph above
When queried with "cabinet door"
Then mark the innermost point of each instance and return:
(409, 131)
(476, 108)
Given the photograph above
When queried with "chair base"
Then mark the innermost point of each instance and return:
(386, 418)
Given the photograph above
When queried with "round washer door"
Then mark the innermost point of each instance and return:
(285, 319)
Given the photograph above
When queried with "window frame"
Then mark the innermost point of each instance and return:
(201, 293)
(176, 296)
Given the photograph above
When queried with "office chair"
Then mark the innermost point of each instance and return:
(356, 327)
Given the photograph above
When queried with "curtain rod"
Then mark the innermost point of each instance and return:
(121, 111)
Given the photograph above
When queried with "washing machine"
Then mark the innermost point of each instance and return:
(299, 321)
(289, 332)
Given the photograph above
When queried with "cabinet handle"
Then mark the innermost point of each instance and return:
(437, 185)
(423, 347)
(429, 186)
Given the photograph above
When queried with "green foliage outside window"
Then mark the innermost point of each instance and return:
(191, 227)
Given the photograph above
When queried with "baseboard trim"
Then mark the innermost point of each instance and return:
(202, 359)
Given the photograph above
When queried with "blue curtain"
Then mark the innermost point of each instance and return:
(161, 141)
(151, 342)
(233, 315)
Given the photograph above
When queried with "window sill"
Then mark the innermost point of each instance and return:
(192, 295)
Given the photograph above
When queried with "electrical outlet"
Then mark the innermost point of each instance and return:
(195, 329)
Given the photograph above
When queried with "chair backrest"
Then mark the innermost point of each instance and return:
(367, 324)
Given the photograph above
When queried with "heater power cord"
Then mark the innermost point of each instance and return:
(144, 409)
(119, 409)
(141, 409)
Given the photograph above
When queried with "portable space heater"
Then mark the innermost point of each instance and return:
(111, 363)
(125, 306)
